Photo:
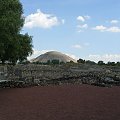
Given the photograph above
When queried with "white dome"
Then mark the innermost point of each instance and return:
(53, 55)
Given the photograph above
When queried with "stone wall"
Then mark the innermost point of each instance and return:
(3, 73)
(48, 74)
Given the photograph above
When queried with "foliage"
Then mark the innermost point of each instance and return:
(90, 62)
(118, 63)
(86, 62)
(101, 63)
(25, 46)
(54, 62)
(81, 61)
(13, 45)
(25, 62)
(111, 64)
(50, 62)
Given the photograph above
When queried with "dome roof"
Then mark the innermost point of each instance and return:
(53, 55)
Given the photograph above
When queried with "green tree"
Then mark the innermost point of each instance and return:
(90, 62)
(81, 61)
(25, 47)
(101, 63)
(55, 62)
(48, 62)
(11, 41)
(118, 63)
(111, 63)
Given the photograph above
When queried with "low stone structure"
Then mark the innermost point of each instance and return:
(3, 73)
(31, 74)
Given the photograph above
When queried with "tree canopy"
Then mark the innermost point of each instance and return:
(81, 61)
(13, 45)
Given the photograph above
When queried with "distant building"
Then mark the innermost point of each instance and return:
(53, 55)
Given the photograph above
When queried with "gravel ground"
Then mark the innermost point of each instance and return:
(65, 102)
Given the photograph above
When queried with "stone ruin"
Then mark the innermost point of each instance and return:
(3, 73)
(32, 74)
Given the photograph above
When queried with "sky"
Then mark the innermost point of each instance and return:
(87, 29)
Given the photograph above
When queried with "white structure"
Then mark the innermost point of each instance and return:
(53, 55)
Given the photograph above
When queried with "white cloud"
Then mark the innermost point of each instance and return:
(77, 46)
(107, 29)
(81, 28)
(63, 21)
(81, 18)
(85, 26)
(100, 28)
(114, 21)
(87, 17)
(42, 20)
(105, 57)
(79, 31)
(113, 29)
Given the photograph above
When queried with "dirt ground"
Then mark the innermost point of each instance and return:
(65, 102)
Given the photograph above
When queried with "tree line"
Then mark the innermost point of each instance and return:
(98, 63)
(80, 61)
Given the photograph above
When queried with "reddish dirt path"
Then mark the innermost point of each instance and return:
(66, 102)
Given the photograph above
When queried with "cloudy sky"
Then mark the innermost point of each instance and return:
(88, 29)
